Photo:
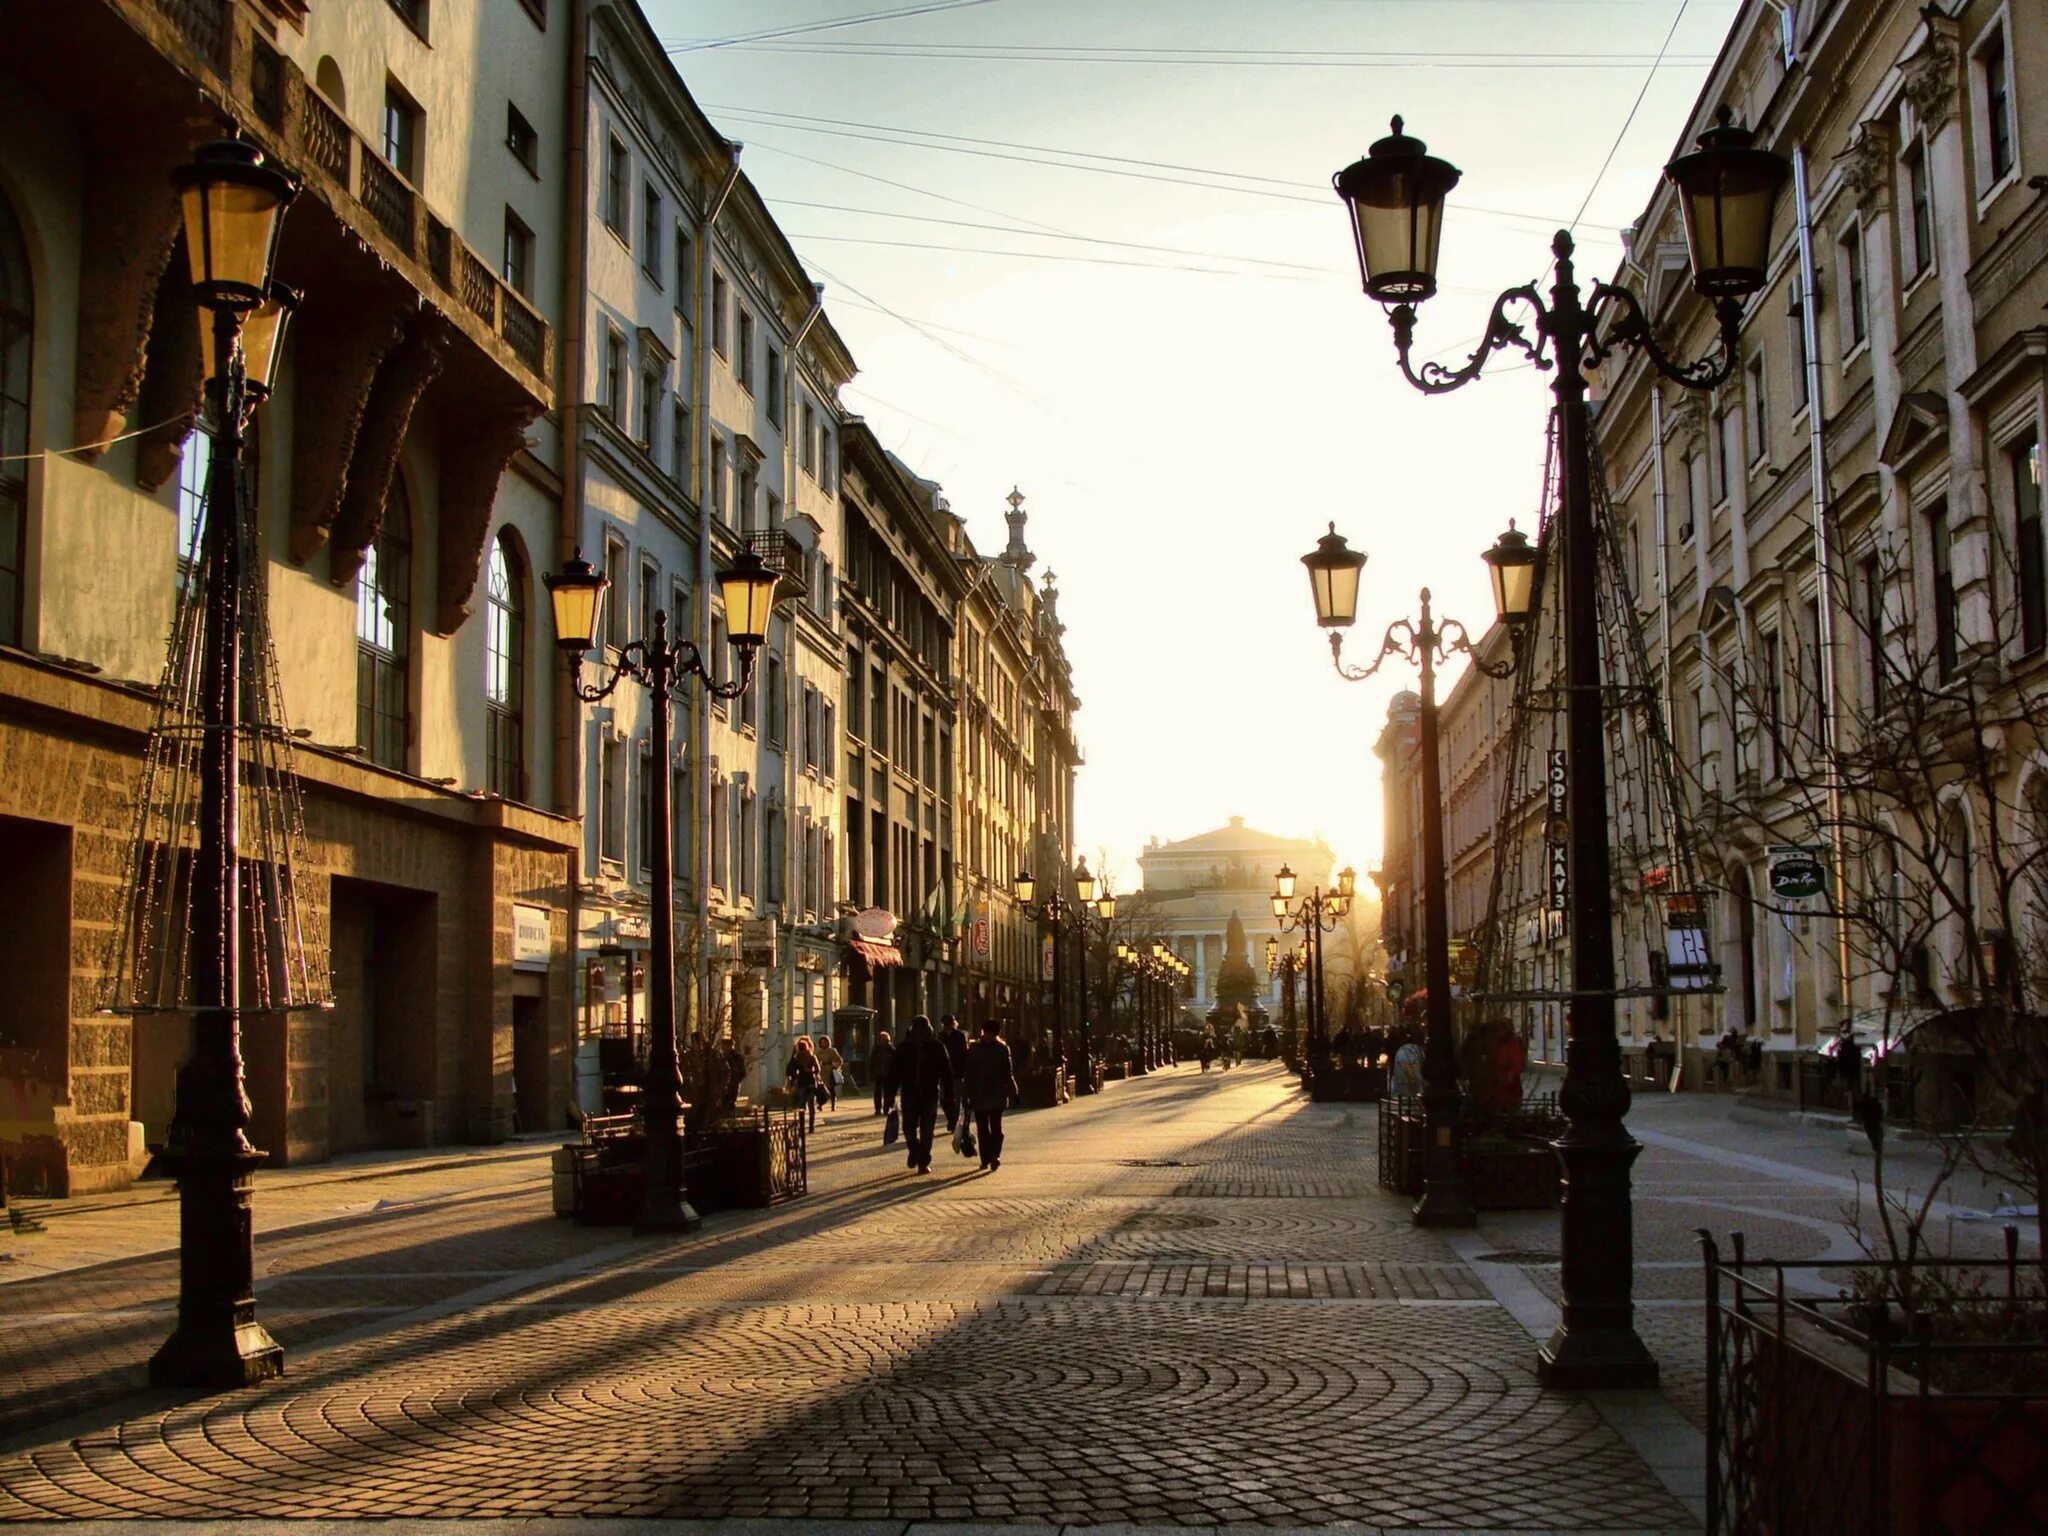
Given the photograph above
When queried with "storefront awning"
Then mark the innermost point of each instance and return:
(877, 952)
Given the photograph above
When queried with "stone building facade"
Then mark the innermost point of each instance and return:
(1858, 508)
(406, 471)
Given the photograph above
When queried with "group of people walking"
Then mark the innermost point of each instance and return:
(815, 1072)
(940, 1070)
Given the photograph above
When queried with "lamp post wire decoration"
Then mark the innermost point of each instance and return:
(576, 594)
(1727, 188)
(205, 929)
(1062, 917)
(1334, 571)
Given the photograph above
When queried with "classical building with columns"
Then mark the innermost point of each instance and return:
(1194, 886)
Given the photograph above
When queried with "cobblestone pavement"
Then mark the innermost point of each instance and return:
(1185, 1302)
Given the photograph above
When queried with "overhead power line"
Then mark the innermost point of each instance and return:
(1212, 58)
(1127, 166)
(1635, 107)
(746, 39)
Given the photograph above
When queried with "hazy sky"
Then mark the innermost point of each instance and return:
(1088, 248)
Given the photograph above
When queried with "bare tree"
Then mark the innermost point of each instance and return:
(1927, 784)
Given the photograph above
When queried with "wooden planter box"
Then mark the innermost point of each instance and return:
(1041, 1088)
(1524, 1177)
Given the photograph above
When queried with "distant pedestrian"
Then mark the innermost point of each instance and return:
(801, 1077)
(882, 1068)
(735, 1062)
(954, 1039)
(831, 1070)
(991, 1087)
(1206, 1051)
(924, 1081)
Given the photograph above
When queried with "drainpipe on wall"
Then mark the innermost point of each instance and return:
(568, 711)
(1823, 560)
(792, 679)
(700, 456)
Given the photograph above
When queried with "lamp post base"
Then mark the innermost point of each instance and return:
(1595, 1346)
(218, 1343)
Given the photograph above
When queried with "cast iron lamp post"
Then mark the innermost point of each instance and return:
(1318, 914)
(1727, 189)
(233, 204)
(1064, 917)
(1132, 961)
(1334, 569)
(576, 593)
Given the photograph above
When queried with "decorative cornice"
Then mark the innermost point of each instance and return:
(1931, 71)
(1867, 166)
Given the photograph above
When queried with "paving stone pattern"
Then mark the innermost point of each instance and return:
(1183, 1302)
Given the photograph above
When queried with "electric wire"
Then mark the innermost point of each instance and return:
(700, 45)
(1216, 58)
(1615, 148)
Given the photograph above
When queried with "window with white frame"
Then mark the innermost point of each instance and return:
(195, 464)
(616, 196)
(1727, 452)
(650, 603)
(615, 374)
(611, 801)
(652, 222)
(615, 575)
(1991, 81)
(650, 404)
(1758, 402)
(1855, 302)
(1916, 229)
(679, 441)
(2030, 574)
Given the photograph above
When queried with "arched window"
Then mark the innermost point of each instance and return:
(17, 341)
(384, 636)
(505, 670)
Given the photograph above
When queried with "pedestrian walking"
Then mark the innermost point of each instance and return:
(801, 1078)
(991, 1087)
(1206, 1051)
(954, 1039)
(831, 1070)
(882, 1069)
(924, 1082)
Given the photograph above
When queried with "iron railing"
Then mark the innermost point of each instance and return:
(203, 24)
(789, 1157)
(1831, 1415)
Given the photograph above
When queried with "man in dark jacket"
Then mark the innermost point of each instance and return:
(991, 1085)
(924, 1081)
(954, 1039)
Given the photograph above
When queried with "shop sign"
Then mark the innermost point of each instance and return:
(980, 939)
(1796, 873)
(757, 943)
(874, 923)
(529, 937)
(1045, 960)
(629, 925)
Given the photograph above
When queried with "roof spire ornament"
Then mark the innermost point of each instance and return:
(1017, 554)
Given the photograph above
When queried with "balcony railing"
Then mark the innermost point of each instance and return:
(325, 142)
(782, 554)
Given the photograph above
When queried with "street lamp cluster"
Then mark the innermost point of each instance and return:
(1727, 191)
(1065, 917)
(576, 594)
(1318, 913)
(1156, 973)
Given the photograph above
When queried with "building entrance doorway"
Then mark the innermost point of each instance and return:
(381, 1082)
(529, 1064)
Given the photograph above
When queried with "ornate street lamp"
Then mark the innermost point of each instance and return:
(1427, 642)
(576, 594)
(233, 204)
(1064, 917)
(1317, 914)
(1727, 189)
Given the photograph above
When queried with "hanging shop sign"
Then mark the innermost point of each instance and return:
(757, 943)
(1796, 873)
(1688, 959)
(980, 939)
(1560, 877)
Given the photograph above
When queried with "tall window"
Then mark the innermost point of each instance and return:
(718, 498)
(1855, 309)
(679, 441)
(17, 338)
(721, 858)
(1919, 230)
(650, 233)
(615, 573)
(1872, 623)
(1795, 332)
(774, 384)
(1728, 455)
(615, 375)
(743, 365)
(650, 584)
(384, 635)
(778, 711)
(650, 405)
(685, 274)
(805, 455)
(1759, 410)
(505, 672)
(679, 824)
(611, 801)
(1942, 559)
(616, 196)
(643, 806)
(195, 464)
(1994, 74)
(521, 139)
(720, 343)
(2023, 461)
(518, 272)
(402, 120)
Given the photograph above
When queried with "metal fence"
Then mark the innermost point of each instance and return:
(789, 1157)
(1830, 1416)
